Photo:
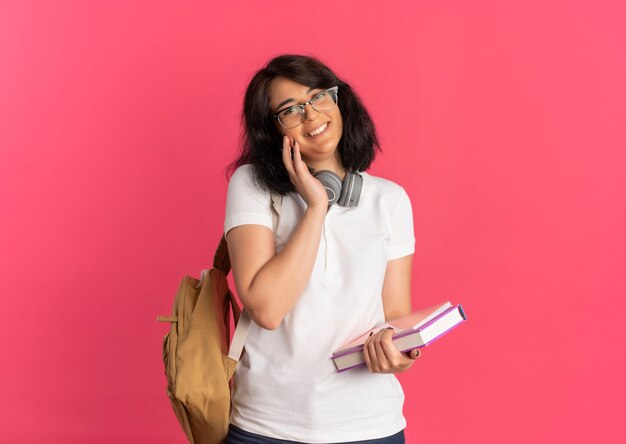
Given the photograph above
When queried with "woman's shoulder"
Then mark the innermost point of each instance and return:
(243, 172)
(383, 186)
(244, 177)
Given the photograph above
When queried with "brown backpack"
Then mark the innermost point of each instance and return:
(199, 365)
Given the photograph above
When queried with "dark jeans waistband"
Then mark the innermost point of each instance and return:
(240, 436)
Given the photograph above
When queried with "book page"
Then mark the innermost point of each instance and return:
(361, 339)
(418, 318)
(410, 321)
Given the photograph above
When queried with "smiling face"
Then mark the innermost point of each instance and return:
(314, 148)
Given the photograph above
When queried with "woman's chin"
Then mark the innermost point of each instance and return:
(322, 146)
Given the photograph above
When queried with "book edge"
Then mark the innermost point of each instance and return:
(410, 331)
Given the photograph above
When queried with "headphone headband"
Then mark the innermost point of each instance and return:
(346, 193)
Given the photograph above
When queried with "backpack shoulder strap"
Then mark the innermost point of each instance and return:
(241, 331)
(221, 259)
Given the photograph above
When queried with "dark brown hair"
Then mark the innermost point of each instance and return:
(261, 142)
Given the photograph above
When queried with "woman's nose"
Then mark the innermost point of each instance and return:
(309, 112)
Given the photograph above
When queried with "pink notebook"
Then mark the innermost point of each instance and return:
(415, 330)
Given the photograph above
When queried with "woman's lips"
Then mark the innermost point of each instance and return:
(325, 129)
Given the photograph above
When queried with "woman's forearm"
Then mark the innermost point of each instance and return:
(278, 285)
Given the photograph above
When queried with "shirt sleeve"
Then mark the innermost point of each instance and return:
(402, 239)
(246, 203)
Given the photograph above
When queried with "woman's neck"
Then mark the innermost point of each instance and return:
(334, 164)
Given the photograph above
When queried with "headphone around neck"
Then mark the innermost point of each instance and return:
(346, 193)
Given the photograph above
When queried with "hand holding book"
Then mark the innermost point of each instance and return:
(406, 333)
(382, 356)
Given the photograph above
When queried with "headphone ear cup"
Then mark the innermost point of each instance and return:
(351, 190)
(332, 184)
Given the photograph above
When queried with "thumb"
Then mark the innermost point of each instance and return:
(414, 354)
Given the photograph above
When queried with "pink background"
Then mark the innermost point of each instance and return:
(504, 121)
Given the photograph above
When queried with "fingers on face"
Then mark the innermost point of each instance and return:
(292, 157)
(297, 158)
(287, 155)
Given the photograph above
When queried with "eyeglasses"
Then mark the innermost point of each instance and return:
(293, 115)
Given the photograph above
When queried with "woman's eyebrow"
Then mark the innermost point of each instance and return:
(284, 102)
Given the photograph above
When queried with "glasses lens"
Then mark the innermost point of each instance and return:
(291, 117)
(324, 101)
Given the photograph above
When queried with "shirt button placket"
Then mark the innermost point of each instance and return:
(328, 264)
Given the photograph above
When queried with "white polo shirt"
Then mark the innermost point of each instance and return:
(286, 385)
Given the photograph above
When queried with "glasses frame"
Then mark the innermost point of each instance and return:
(334, 89)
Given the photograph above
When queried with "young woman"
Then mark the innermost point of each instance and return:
(339, 263)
